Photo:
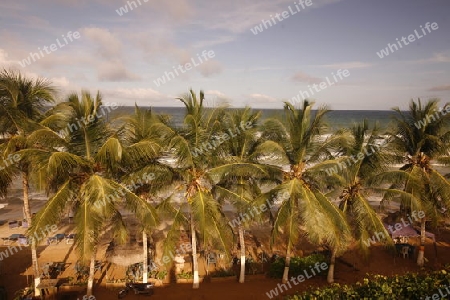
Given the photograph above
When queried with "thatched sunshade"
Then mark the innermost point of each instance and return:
(125, 256)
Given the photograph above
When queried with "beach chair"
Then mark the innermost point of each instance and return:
(211, 259)
(57, 238)
(23, 241)
(98, 266)
(13, 224)
(6, 241)
(58, 267)
(46, 270)
(405, 251)
(70, 238)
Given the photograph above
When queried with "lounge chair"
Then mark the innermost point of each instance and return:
(56, 238)
(70, 238)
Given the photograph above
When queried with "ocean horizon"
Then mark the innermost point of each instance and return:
(335, 118)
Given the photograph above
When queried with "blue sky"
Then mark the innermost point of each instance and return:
(122, 56)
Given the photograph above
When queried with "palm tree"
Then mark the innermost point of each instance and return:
(420, 136)
(307, 211)
(362, 158)
(22, 106)
(141, 158)
(193, 146)
(82, 173)
(241, 174)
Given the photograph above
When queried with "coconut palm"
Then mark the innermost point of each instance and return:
(307, 211)
(82, 173)
(192, 145)
(22, 107)
(241, 174)
(142, 155)
(364, 157)
(420, 136)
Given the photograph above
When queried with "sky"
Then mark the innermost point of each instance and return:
(126, 49)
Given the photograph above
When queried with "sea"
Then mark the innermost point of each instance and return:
(335, 119)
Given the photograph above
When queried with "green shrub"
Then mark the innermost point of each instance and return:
(185, 275)
(297, 266)
(223, 273)
(409, 286)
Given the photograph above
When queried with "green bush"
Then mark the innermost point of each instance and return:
(297, 265)
(409, 286)
(223, 273)
(185, 275)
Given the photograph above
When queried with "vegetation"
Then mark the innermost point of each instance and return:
(217, 157)
(406, 287)
(297, 267)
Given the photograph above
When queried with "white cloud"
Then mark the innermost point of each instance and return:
(262, 97)
(115, 72)
(436, 58)
(108, 46)
(212, 42)
(441, 88)
(137, 93)
(60, 81)
(303, 77)
(210, 67)
(348, 65)
(215, 93)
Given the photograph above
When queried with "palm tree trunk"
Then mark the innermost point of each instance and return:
(26, 206)
(421, 255)
(330, 276)
(287, 264)
(242, 243)
(90, 283)
(145, 267)
(196, 283)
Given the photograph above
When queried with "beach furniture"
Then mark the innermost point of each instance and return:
(57, 268)
(24, 224)
(23, 241)
(13, 224)
(49, 288)
(13, 238)
(56, 239)
(70, 238)
(46, 270)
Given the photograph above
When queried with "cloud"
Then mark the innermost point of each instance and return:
(4, 61)
(215, 93)
(137, 93)
(116, 72)
(348, 65)
(262, 97)
(440, 57)
(441, 88)
(303, 77)
(210, 67)
(238, 16)
(108, 46)
(60, 81)
(212, 42)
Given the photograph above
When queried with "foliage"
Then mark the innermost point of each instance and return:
(409, 286)
(185, 275)
(297, 266)
(222, 272)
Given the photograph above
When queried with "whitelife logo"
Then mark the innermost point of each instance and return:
(265, 24)
(124, 9)
(391, 48)
(49, 49)
(168, 76)
(321, 86)
(296, 280)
